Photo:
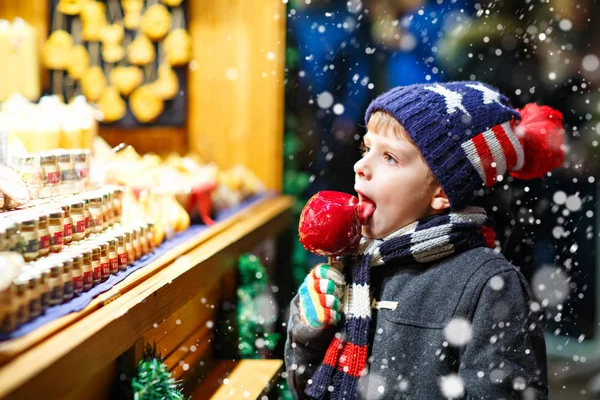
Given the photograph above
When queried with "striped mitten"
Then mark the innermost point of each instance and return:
(321, 296)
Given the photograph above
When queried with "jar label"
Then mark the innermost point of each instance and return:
(68, 290)
(56, 294)
(68, 230)
(113, 264)
(82, 172)
(52, 178)
(123, 259)
(96, 270)
(80, 226)
(32, 246)
(35, 306)
(87, 278)
(68, 175)
(45, 242)
(45, 299)
(105, 269)
(77, 284)
(56, 239)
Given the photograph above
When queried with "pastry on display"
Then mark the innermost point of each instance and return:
(13, 191)
(178, 46)
(172, 3)
(133, 13)
(93, 19)
(79, 61)
(93, 83)
(55, 52)
(156, 22)
(145, 104)
(126, 79)
(141, 51)
(111, 104)
(111, 36)
(70, 7)
(167, 84)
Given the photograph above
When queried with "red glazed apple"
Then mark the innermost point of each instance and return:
(330, 223)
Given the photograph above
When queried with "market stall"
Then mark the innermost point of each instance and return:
(126, 193)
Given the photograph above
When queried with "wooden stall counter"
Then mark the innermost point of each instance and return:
(75, 356)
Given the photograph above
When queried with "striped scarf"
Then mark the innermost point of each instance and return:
(423, 241)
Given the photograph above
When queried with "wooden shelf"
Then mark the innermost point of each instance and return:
(58, 358)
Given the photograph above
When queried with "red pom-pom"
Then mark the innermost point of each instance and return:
(541, 134)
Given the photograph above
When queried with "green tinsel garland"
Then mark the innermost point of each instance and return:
(252, 282)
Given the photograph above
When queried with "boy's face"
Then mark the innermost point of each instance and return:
(393, 175)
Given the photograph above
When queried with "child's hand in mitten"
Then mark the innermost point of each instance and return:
(321, 296)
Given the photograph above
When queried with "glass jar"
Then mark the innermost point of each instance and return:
(67, 224)
(105, 209)
(86, 262)
(104, 263)
(136, 242)
(9, 323)
(11, 235)
(82, 167)
(68, 287)
(97, 214)
(144, 239)
(66, 167)
(129, 247)
(56, 228)
(56, 283)
(121, 251)
(49, 164)
(30, 234)
(44, 234)
(44, 285)
(150, 234)
(22, 297)
(113, 258)
(77, 272)
(18, 242)
(35, 303)
(88, 216)
(78, 217)
(117, 204)
(96, 271)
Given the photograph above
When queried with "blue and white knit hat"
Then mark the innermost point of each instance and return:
(469, 134)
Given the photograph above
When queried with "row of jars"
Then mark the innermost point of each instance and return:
(82, 265)
(54, 173)
(46, 228)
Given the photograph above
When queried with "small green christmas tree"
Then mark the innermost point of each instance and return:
(154, 382)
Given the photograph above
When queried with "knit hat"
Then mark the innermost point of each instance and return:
(469, 134)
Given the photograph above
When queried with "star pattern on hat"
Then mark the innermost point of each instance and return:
(453, 99)
(489, 96)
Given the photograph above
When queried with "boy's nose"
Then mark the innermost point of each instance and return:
(361, 169)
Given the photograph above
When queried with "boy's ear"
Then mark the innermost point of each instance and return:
(439, 201)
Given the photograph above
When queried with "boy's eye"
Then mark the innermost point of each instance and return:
(390, 159)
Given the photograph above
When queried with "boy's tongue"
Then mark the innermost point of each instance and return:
(365, 208)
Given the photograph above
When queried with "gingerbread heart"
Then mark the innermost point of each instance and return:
(145, 104)
(93, 83)
(141, 51)
(126, 79)
(111, 104)
(156, 22)
(178, 46)
(55, 52)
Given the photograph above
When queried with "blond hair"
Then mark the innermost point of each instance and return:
(382, 123)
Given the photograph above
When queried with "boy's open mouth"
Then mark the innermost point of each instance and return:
(366, 208)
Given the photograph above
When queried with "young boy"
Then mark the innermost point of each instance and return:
(427, 309)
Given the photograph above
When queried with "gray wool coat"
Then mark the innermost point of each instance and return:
(411, 347)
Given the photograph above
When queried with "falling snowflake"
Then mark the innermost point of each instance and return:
(452, 386)
(458, 332)
(325, 100)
